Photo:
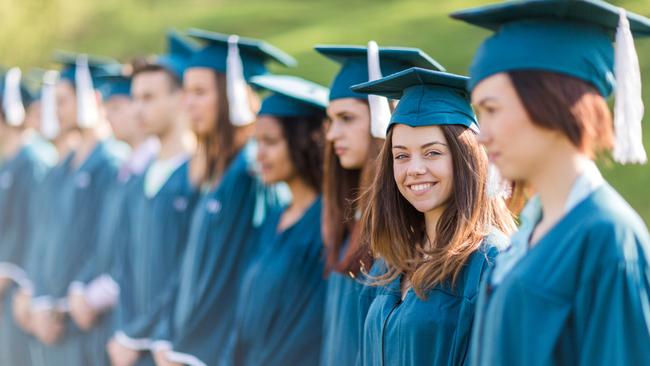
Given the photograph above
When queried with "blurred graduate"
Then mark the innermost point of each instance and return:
(162, 208)
(221, 106)
(82, 192)
(573, 288)
(350, 155)
(26, 160)
(279, 314)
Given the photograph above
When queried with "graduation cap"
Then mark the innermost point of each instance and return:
(571, 37)
(354, 65)
(426, 98)
(179, 52)
(291, 96)
(240, 59)
(84, 73)
(97, 65)
(255, 54)
(113, 84)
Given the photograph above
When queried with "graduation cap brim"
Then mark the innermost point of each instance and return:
(255, 47)
(293, 87)
(68, 58)
(393, 86)
(177, 43)
(413, 56)
(588, 11)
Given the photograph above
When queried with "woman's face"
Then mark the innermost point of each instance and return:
(349, 131)
(273, 151)
(200, 98)
(422, 166)
(515, 145)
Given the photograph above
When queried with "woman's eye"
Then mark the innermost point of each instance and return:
(433, 153)
(399, 156)
(347, 118)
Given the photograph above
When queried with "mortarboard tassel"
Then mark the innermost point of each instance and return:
(497, 187)
(49, 120)
(628, 108)
(238, 103)
(12, 101)
(87, 109)
(379, 109)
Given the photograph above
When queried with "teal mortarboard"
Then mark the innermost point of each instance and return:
(114, 83)
(291, 96)
(98, 65)
(426, 98)
(240, 59)
(255, 54)
(574, 38)
(354, 65)
(179, 52)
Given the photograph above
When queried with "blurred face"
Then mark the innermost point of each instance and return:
(349, 131)
(201, 95)
(33, 115)
(155, 103)
(119, 112)
(515, 145)
(273, 151)
(422, 166)
(66, 105)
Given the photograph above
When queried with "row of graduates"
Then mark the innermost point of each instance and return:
(329, 231)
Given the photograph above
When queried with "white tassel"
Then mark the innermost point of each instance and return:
(379, 109)
(238, 102)
(497, 187)
(12, 101)
(49, 120)
(628, 108)
(87, 108)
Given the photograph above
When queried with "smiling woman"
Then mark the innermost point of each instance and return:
(430, 222)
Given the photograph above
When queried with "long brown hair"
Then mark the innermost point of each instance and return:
(342, 200)
(223, 142)
(396, 231)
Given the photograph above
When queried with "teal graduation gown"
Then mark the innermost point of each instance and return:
(345, 312)
(20, 177)
(221, 243)
(279, 313)
(83, 196)
(580, 296)
(161, 228)
(434, 331)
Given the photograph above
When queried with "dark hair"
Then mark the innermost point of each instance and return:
(222, 144)
(305, 141)
(142, 67)
(396, 231)
(566, 104)
(342, 189)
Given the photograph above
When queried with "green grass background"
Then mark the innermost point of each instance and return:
(30, 30)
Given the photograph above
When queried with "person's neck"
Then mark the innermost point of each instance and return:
(66, 142)
(136, 142)
(15, 139)
(302, 195)
(431, 219)
(553, 182)
(89, 138)
(176, 141)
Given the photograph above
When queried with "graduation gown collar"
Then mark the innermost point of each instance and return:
(586, 183)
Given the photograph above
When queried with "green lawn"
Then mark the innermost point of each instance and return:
(31, 29)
